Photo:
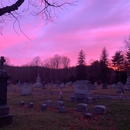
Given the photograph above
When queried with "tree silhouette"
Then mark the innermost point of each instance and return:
(81, 67)
(104, 65)
(118, 63)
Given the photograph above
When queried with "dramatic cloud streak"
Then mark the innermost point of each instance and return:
(89, 26)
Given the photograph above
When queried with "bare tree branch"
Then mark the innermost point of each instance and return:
(9, 9)
(43, 8)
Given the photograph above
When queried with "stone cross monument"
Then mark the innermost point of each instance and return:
(5, 117)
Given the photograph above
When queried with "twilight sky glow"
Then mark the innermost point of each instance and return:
(89, 26)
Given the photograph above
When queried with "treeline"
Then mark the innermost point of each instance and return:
(57, 68)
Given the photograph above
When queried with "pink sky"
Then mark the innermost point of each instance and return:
(89, 26)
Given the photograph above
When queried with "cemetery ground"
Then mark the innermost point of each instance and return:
(117, 115)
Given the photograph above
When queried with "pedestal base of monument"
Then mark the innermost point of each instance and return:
(82, 98)
(5, 117)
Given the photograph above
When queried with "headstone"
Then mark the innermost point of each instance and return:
(43, 85)
(62, 85)
(127, 86)
(43, 107)
(62, 109)
(30, 105)
(69, 84)
(119, 87)
(104, 85)
(113, 85)
(21, 103)
(38, 83)
(100, 109)
(87, 115)
(26, 90)
(93, 87)
(96, 84)
(5, 117)
(82, 91)
(59, 104)
(19, 84)
(48, 103)
(82, 107)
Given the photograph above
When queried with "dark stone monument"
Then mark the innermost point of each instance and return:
(5, 117)
(104, 85)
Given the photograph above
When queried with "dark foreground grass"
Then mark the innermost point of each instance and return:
(117, 116)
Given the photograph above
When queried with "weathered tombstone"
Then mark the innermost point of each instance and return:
(127, 86)
(62, 109)
(19, 84)
(21, 103)
(119, 86)
(43, 85)
(87, 115)
(30, 105)
(59, 104)
(69, 84)
(43, 107)
(26, 90)
(38, 83)
(100, 109)
(5, 117)
(93, 87)
(96, 84)
(82, 107)
(104, 85)
(82, 91)
(113, 85)
(62, 85)
(48, 103)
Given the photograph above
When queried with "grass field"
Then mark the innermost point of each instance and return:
(117, 116)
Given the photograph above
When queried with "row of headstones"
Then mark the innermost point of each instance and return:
(81, 107)
(46, 104)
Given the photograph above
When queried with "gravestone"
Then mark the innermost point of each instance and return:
(100, 109)
(5, 117)
(93, 87)
(68, 84)
(62, 85)
(30, 105)
(62, 109)
(48, 103)
(19, 84)
(82, 91)
(59, 104)
(119, 86)
(87, 115)
(26, 90)
(38, 83)
(82, 107)
(104, 85)
(113, 85)
(127, 86)
(43, 107)
(21, 103)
